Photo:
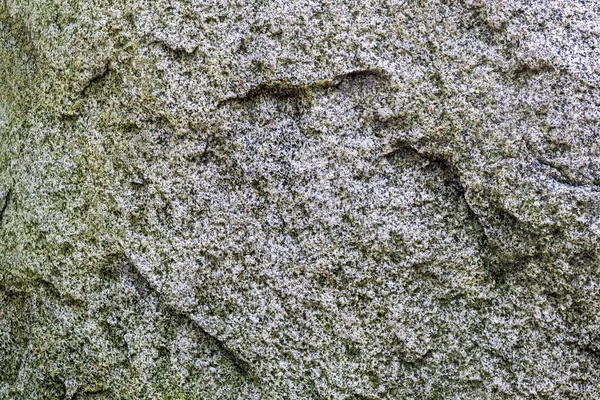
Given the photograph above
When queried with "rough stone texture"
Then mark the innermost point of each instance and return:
(368, 199)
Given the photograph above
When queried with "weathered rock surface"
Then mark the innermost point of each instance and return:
(374, 199)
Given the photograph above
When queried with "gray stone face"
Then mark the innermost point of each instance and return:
(308, 200)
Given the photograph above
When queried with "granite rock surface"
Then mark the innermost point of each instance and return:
(367, 199)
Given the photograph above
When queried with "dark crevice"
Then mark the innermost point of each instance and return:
(416, 362)
(283, 90)
(559, 175)
(532, 67)
(89, 394)
(591, 350)
(51, 289)
(97, 78)
(453, 181)
(209, 142)
(557, 171)
(179, 51)
(7, 198)
(278, 90)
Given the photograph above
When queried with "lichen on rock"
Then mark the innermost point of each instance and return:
(316, 199)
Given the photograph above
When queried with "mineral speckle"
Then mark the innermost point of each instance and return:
(370, 199)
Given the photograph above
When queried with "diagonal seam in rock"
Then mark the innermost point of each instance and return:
(96, 78)
(7, 198)
(240, 364)
(559, 170)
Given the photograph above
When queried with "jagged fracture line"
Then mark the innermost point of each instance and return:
(284, 89)
(240, 364)
(103, 73)
(5, 205)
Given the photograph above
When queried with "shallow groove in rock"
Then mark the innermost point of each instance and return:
(146, 288)
(96, 78)
(283, 90)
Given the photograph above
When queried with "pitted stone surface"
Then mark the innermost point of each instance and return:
(337, 199)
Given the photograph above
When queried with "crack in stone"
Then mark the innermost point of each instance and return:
(52, 289)
(285, 90)
(96, 78)
(7, 198)
(563, 177)
(143, 284)
(81, 395)
(455, 182)
(559, 174)
(497, 263)
(180, 51)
